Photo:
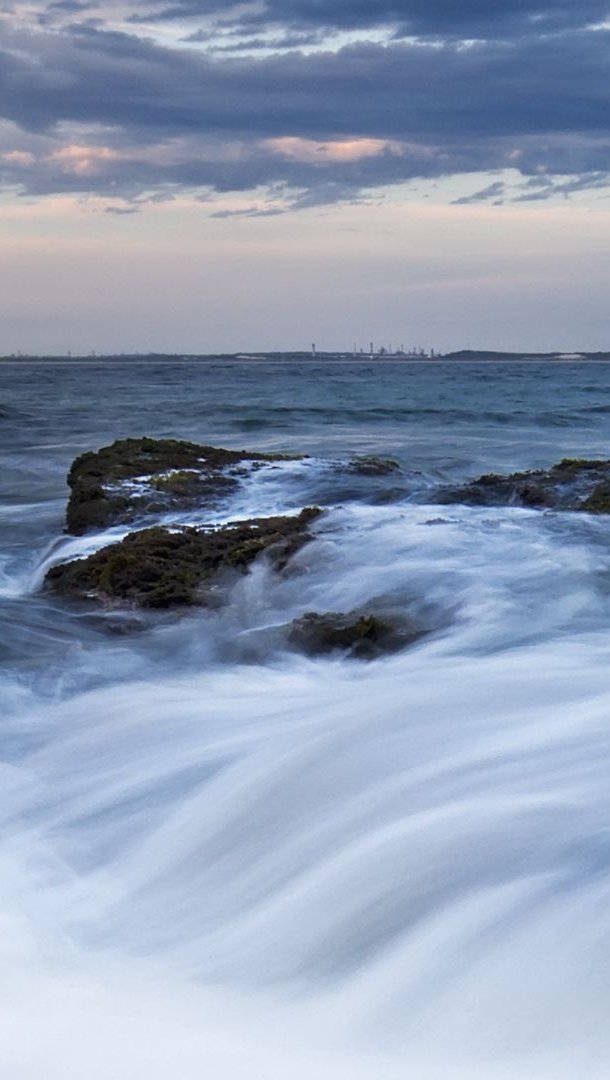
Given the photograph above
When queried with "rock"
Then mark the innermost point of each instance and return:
(572, 484)
(369, 465)
(134, 477)
(363, 636)
(598, 502)
(162, 568)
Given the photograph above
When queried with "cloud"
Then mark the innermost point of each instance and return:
(538, 188)
(295, 148)
(492, 191)
(249, 212)
(444, 18)
(72, 7)
(235, 38)
(91, 108)
(21, 158)
(83, 160)
(122, 210)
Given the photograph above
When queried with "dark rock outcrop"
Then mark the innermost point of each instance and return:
(135, 477)
(360, 635)
(370, 465)
(162, 568)
(572, 484)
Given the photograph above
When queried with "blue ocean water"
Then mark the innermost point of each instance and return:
(222, 858)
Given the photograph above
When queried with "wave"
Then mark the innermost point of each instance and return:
(10, 412)
(595, 409)
(338, 853)
(274, 418)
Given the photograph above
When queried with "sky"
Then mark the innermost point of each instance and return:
(196, 176)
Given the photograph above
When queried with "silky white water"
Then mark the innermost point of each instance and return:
(220, 858)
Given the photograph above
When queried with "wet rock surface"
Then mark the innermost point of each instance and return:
(361, 635)
(134, 477)
(572, 484)
(370, 465)
(162, 568)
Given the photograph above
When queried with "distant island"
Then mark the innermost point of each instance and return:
(461, 356)
(474, 356)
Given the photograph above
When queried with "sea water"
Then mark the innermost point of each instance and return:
(220, 858)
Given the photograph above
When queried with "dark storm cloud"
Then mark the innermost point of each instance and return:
(171, 118)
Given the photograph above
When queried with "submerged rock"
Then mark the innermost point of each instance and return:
(363, 636)
(369, 465)
(572, 484)
(133, 477)
(162, 568)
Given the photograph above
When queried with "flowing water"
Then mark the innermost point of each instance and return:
(220, 858)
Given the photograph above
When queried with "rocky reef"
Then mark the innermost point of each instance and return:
(162, 568)
(572, 484)
(174, 566)
(134, 477)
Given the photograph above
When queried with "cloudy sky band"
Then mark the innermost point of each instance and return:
(128, 127)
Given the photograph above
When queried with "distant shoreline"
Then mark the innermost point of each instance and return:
(460, 357)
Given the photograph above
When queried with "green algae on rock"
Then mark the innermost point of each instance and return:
(598, 501)
(161, 568)
(572, 484)
(133, 477)
(361, 635)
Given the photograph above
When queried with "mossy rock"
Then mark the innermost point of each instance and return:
(162, 568)
(571, 484)
(133, 477)
(369, 465)
(520, 489)
(574, 466)
(361, 635)
(598, 501)
(177, 481)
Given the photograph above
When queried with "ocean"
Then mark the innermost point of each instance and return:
(222, 858)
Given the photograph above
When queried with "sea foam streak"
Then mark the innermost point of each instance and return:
(394, 866)
(425, 873)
